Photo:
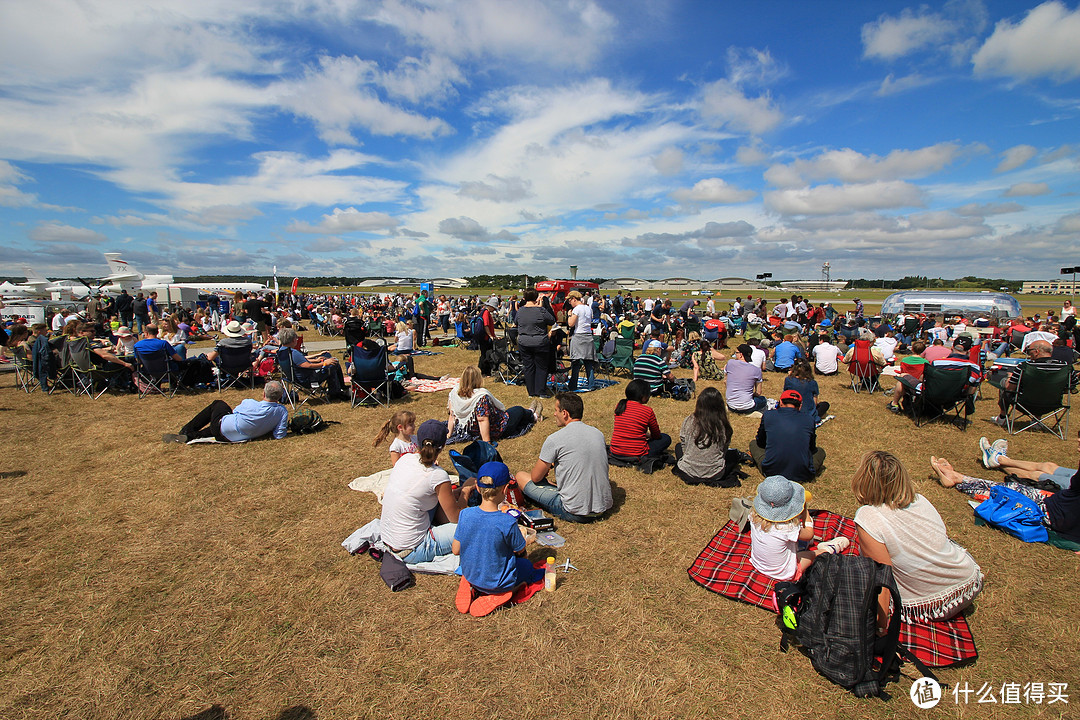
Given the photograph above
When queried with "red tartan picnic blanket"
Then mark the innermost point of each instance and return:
(724, 567)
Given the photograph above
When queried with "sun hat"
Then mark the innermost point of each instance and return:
(779, 499)
(573, 294)
(493, 303)
(791, 395)
(433, 431)
(124, 331)
(496, 471)
(234, 329)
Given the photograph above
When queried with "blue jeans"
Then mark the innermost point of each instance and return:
(1001, 350)
(547, 497)
(590, 373)
(760, 403)
(436, 542)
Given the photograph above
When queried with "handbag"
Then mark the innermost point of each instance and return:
(1015, 513)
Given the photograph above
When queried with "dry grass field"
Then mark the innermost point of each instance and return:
(143, 580)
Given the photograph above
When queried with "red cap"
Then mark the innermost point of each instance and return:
(791, 395)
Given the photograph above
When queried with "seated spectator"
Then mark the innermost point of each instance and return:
(786, 441)
(235, 337)
(479, 414)
(936, 351)
(779, 523)
(704, 360)
(316, 367)
(99, 354)
(896, 526)
(744, 381)
(1040, 355)
(125, 342)
(801, 379)
(578, 454)
(704, 437)
(491, 546)
(636, 433)
(251, 420)
(420, 508)
(887, 345)
(652, 368)
(151, 343)
(909, 384)
(405, 340)
(876, 357)
(826, 355)
(785, 352)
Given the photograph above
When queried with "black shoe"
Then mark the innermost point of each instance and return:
(177, 438)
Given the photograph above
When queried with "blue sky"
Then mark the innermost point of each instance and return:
(647, 138)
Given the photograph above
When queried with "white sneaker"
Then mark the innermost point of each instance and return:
(998, 420)
(835, 546)
(986, 452)
(1001, 447)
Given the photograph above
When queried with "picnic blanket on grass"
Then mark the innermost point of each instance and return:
(430, 386)
(724, 567)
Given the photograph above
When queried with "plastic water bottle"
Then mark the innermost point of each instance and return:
(549, 575)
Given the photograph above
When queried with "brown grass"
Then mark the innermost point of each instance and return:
(143, 580)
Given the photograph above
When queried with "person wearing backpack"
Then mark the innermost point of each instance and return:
(896, 526)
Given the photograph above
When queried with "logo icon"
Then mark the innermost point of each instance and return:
(925, 693)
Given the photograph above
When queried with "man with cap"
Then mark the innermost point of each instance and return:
(786, 442)
(578, 454)
(582, 346)
(491, 547)
(420, 508)
(235, 338)
(652, 368)
(250, 420)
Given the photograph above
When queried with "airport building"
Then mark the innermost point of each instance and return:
(721, 285)
(1050, 287)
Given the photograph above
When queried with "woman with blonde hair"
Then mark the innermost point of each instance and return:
(481, 415)
(896, 526)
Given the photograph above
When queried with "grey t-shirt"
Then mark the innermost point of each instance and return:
(578, 454)
(698, 462)
(741, 378)
(533, 324)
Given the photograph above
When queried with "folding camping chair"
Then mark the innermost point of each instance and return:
(24, 370)
(354, 330)
(944, 391)
(1043, 398)
(153, 370)
(506, 362)
(623, 357)
(300, 382)
(234, 368)
(371, 377)
(862, 368)
(87, 377)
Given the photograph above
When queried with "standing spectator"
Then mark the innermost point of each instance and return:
(582, 345)
(534, 343)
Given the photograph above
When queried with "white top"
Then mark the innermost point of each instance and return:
(772, 553)
(887, 346)
(411, 492)
(647, 304)
(405, 340)
(584, 319)
(1067, 311)
(936, 577)
(825, 357)
(402, 446)
(758, 356)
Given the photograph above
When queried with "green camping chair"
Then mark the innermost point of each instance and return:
(622, 358)
(944, 393)
(1042, 400)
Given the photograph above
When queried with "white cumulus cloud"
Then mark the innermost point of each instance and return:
(889, 38)
(713, 190)
(345, 221)
(724, 104)
(1043, 44)
(54, 232)
(1028, 189)
(829, 199)
(1014, 157)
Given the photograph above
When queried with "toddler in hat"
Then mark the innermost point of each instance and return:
(778, 523)
(492, 548)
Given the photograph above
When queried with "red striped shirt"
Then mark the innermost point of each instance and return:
(633, 429)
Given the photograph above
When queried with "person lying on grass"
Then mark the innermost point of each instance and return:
(491, 546)
(1061, 509)
(252, 419)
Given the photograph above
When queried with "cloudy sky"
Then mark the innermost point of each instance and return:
(649, 138)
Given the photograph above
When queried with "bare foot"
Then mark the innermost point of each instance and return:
(945, 473)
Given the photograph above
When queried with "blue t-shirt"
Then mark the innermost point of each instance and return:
(488, 543)
(808, 389)
(785, 355)
(152, 345)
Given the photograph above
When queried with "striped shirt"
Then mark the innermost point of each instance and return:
(651, 369)
(633, 429)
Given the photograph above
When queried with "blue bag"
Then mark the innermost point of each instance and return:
(1015, 513)
(475, 454)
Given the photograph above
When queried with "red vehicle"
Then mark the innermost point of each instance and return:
(559, 288)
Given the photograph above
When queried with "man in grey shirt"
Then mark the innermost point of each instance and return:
(744, 382)
(582, 490)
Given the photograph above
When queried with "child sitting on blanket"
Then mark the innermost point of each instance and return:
(779, 525)
(492, 548)
(403, 425)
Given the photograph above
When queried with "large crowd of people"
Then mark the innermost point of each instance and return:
(555, 338)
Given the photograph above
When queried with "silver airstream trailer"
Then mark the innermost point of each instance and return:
(988, 304)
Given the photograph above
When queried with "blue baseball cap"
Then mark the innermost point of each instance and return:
(496, 471)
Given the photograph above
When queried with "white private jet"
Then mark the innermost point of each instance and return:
(122, 276)
(38, 286)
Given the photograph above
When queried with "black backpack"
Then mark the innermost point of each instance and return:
(832, 614)
(306, 421)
